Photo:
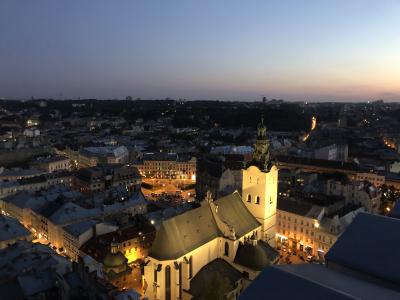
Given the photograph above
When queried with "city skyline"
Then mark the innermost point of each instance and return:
(298, 50)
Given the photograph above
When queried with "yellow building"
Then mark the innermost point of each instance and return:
(167, 166)
(306, 228)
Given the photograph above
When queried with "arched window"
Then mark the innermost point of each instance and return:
(191, 267)
(226, 251)
(258, 200)
(248, 198)
(167, 283)
(270, 200)
(250, 179)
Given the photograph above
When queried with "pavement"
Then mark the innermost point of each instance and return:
(167, 187)
(289, 258)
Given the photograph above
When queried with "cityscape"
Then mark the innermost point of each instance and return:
(141, 158)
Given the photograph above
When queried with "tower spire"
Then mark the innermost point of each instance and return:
(261, 155)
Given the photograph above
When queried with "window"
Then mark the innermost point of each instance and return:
(258, 200)
(226, 250)
(155, 275)
(168, 283)
(191, 267)
(248, 198)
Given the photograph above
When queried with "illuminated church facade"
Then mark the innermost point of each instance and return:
(225, 241)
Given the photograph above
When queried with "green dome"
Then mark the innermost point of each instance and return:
(113, 260)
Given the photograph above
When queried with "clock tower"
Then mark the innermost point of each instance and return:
(260, 185)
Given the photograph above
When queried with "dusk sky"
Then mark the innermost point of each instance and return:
(315, 50)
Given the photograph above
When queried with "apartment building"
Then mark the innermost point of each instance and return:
(167, 166)
(309, 228)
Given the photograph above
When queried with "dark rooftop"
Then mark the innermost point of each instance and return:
(293, 206)
(370, 245)
(218, 268)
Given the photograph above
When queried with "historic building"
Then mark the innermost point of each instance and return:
(167, 166)
(116, 269)
(228, 235)
(220, 174)
(260, 186)
(103, 177)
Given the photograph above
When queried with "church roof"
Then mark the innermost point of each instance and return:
(217, 272)
(232, 210)
(182, 234)
(256, 257)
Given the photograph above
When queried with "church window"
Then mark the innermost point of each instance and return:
(191, 267)
(258, 200)
(168, 283)
(250, 179)
(180, 281)
(155, 275)
(226, 250)
(270, 200)
(258, 180)
(248, 198)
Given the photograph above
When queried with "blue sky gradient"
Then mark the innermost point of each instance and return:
(315, 50)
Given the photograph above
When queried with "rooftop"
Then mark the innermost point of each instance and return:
(299, 208)
(10, 228)
(368, 245)
(184, 233)
(105, 151)
(216, 270)
(312, 281)
(79, 228)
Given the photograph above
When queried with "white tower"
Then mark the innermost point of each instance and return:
(260, 185)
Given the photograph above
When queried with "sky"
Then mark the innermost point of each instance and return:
(310, 50)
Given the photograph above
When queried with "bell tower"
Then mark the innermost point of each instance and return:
(260, 185)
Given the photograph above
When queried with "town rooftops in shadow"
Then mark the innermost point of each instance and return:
(331, 164)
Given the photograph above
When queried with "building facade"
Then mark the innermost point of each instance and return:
(167, 166)
(100, 178)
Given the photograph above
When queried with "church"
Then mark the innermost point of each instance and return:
(221, 246)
